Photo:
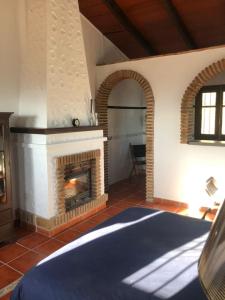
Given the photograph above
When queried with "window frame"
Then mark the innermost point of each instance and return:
(218, 136)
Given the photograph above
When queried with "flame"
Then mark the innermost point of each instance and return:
(71, 183)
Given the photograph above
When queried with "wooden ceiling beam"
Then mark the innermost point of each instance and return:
(181, 27)
(129, 26)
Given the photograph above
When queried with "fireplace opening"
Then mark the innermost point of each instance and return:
(77, 185)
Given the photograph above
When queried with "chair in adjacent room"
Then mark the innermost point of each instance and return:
(138, 156)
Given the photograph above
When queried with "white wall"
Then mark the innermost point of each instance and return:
(125, 126)
(219, 79)
(32, 23)
(68, 84)
(99, 50)
(180, 170)
(9, 58)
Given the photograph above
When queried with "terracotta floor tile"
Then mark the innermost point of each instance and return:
(133, 199)
(141, 192)
(26, 261)
(210, 217)
(6, 297)
(33, 240)
(22, 232)
(113, 202)
(99, 218)
(113, 196)
(113, 210)
(68, 236)
(49, 247)
(146, 204)
(11, 252)
(182, 211)
(124, 204)
(164, 207)
(114, 199)
(83, 227)
(7, 276)
(194, 214)
(120, 195)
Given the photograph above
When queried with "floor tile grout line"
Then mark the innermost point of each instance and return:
(15, 269)
(44, 243)
(25, 237)
(17, 257)
(16, 243)
(27, 250)
(38, 244)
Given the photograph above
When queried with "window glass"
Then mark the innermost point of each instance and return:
(209, 99)
(210, 113)
(208, 120)
(223, 115)
(223, 120)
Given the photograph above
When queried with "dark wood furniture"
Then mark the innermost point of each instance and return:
(6, 215)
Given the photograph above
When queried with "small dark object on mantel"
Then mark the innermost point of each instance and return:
(76, 122)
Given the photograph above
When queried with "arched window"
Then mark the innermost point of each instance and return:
(210, 113)
(194, 110)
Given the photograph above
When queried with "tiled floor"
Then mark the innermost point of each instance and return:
(17, 258)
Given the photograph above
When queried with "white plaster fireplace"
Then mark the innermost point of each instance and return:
(54, 88)
(40, 161)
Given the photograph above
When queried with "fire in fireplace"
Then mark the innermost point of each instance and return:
(77, 185)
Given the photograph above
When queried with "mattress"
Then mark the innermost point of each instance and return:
(138, 254)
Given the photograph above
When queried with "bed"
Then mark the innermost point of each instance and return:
(138, 254)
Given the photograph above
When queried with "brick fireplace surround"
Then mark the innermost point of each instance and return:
(42, 156)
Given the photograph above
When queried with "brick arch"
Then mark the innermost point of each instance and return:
(187, 111)
(101, 107)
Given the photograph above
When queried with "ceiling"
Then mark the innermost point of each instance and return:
(142, 28)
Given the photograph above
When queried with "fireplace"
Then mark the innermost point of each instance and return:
(77, 186)
(79, 182)
(63, 182)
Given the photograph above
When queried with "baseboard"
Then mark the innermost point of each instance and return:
(59, 223)
(170, 202)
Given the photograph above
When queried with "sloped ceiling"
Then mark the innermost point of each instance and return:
(142, 28)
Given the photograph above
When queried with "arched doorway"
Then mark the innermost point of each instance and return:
(102, 109)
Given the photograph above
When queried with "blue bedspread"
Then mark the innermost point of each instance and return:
(138, 254)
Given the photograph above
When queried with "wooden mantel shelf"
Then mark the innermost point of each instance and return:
(46, 131)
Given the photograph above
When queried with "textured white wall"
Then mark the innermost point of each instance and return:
(9, 57)
(54, 77)
(67, 75)
(125, 126)
(99, 50)
(32, 22)
(46, 72)
(180, 171)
